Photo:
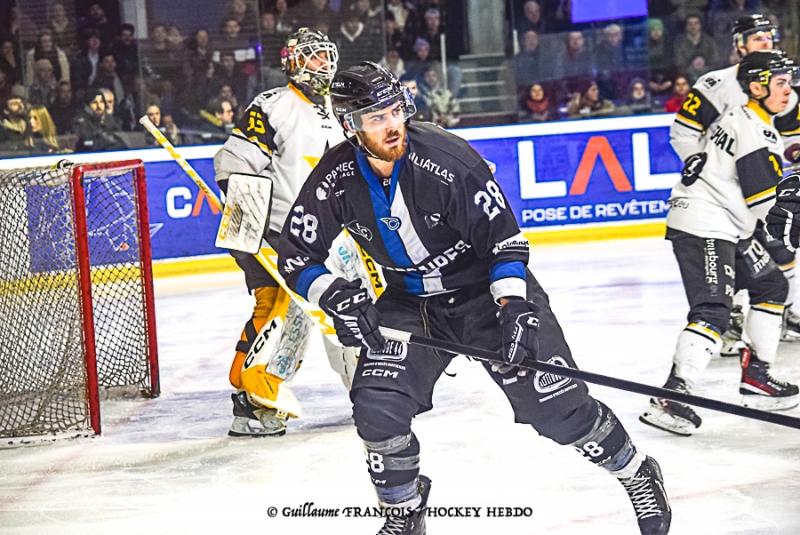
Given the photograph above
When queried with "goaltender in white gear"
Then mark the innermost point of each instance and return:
(282, 135)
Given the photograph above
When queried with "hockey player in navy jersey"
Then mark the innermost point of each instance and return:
(714, 211)
(426, 207)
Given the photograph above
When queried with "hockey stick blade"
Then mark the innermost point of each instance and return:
(594, 378)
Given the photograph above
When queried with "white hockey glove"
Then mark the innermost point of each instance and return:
(519, 320)
(783, 219)
(355, 318)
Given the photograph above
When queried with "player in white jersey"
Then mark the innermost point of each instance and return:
(725, 190)
(282, 135)
(712, 96)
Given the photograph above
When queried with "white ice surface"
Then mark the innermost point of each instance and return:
(167, 466)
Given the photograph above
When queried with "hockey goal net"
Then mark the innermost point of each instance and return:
(76, 294)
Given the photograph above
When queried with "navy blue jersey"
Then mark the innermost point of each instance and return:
(442, 223)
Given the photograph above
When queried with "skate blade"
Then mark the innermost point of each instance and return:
(790, 337)
(257, 433)
(769, 403)
(658, 418)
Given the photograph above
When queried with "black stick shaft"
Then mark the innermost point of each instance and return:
(594, 378)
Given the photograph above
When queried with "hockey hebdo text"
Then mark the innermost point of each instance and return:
(311, 510)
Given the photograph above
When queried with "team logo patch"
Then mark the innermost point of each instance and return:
(393, 351)
(545, 382)
(362, 231)
(323, 190)
(432, 220)
(392, 222)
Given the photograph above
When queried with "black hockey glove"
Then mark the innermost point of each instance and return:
(692, 167)
(783, 219)
(520, 323)
(355, 318)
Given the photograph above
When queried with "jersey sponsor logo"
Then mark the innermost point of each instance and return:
(712, 266)
(516, 243)
(392, 222)
(294, 263)
(770, 136)
(546, 382)
(392, 351)
(328, 183)
(323, 190)
(357, 228)
(678, 203)
(710, 82)
(444, 176)
(723, 140)
(436, 262)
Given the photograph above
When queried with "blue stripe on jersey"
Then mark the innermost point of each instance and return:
(502, 270)
(382, 208)
(307, 277)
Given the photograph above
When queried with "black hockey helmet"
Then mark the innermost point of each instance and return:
(760, 66)
(367, 88)
(303, 62)
(746, 26)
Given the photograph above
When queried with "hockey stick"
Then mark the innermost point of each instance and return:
(611, 382)
(267, 256)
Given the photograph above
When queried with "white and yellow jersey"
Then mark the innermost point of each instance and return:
(282, 135)
(736, 183)
(711, 98)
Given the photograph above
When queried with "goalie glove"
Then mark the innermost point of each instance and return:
(355, 318)
(519, 320)
(783, 219)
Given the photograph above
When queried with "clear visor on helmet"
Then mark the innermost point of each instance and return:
(316, 59)
(764, 34)
(790, 71)
(385, 114)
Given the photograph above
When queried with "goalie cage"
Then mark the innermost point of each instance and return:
(76, 296)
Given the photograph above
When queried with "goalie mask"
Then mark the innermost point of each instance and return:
(310, 58)
(365, 89)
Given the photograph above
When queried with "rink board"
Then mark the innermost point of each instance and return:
(565, 181)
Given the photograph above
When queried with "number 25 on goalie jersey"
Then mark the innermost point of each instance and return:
(444, 225)
(732, 183)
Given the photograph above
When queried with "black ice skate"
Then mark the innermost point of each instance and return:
(649, 499)
(791, 326)
(413, 523)
(672, 416)
(760, 390)
(245, 414)
(732, 337)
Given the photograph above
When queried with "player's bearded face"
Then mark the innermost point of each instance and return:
(388, 143)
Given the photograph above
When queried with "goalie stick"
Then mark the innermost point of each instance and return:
(603, 380)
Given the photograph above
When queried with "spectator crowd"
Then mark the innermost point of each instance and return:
(74, 78)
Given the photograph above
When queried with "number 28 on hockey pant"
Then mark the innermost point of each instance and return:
(783, 219)
(355, 318)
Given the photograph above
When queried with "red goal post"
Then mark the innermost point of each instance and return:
(77, 310)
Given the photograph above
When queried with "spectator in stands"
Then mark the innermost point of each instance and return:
(21, 29)
(610, 61)
(660, 54)
(531, 19)
(46, 49)
(689, 8)
(432, 32)
(423, 112)
(528, 64)
(271, 41)
(62, 29)
(417, 67)
(679, 92)
(370, 17)
(42, 138)
(165, 64)
(399, 10)
(167, 127)
(228, 73)
(126, 54)
(6, 87)
(393, 63)
(696, 69)
(284, 21)
(589, 104)
(234, 42)
(355, 43)
(63, 109)
(107, 77)
(226, 93)
(246, 15)
(314, 10)
(113, 123)
(14, 126)
(9, 62)
(84, 66)
(394, 36)
(96, 20)
(439, 99)
(695, 43)
(42, 92)
(92, 127)
(638, 100)
(536, 107)
(574, 67)
(200, 70)
(216, 122)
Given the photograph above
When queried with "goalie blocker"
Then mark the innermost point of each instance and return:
(245, 217)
